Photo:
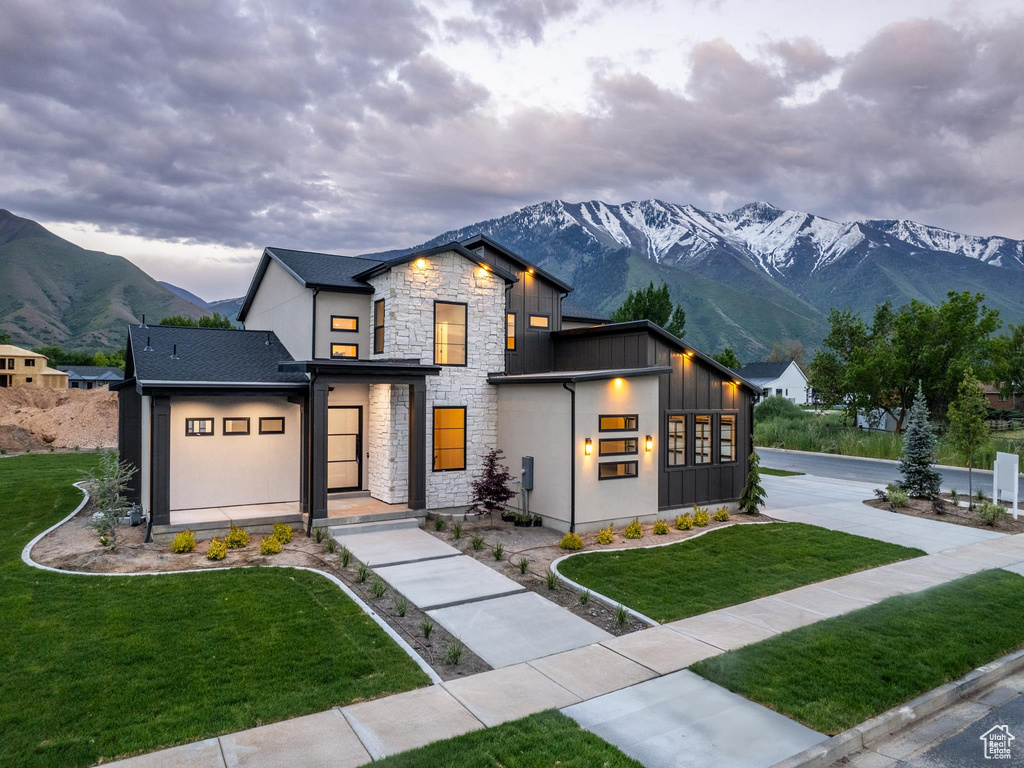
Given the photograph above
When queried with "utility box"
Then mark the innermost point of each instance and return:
(527, 473)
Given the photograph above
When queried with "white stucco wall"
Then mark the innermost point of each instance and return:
(284, 306)
(353, 304)
(236, 469)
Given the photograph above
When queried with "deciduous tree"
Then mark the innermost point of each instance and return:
(968, 432)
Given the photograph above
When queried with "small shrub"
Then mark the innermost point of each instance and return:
(571, 541)
(605, 536)
(881, 494)
(378, 588)
(700, 516)
(401, 605)
(498, 552)
(332, 545)
(551, 580)
(270, 545)
(318, 534)
(684, 522)
(217, 550)
(439, 524)
(891, 488)
(633, 530)
(980, 495)
(362, 573)
(477, 542)
(426, 627)
(990, 513)
(584, 597)
(283, 533)
(660, 528)
(899, 498)
(344, 556)
(722, 514)
(954, 496)
(185, 541)
(457, 529)
(524, 565)
(621, 615)
(453, 652)
(237, 537)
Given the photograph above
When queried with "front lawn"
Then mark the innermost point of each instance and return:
(726, 567)
(545, 739)
(839, 672)
(96, 667)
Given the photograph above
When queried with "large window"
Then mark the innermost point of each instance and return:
(615, 470)
(616, 446)
(676, 440)
(449, 439)
(344, 350)
(378, 327)
(702, 438)
(510, 331)
(727, 438)
(198, 427)
(617, 423)
(236, 426)
(449, 333)
(344, 323)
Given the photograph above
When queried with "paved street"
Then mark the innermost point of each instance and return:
(875, 471)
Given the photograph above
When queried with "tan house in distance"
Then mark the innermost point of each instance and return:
(21, 366)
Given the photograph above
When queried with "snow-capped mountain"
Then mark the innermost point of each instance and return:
(997, 251)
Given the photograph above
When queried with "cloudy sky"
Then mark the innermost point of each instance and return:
(187, 134)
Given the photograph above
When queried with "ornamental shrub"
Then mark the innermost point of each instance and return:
(700, 516)
(899, 498)
(633, 530)
(571, 541)
(283, 533)
(270, 545)
(684, 522)
(722, 514)
(990, 513)
(184, 542)
(605, 536)
(237, 537)
(660, 527)
(217, 550)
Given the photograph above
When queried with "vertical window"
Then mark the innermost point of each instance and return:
(510, 331)
(702, 439)
(344, 323)
(677, 440)
(449, 333)
(344, 350)
(727, 438)
(378, 327)
(449, 439)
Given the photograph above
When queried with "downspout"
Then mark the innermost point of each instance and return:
(312, 351)
(308, 447)
(572, 456)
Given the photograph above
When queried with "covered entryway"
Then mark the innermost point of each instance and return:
(344, 448)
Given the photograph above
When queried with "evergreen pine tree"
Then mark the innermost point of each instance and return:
(919, 476)
(752, 498)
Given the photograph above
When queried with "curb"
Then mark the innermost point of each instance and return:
(26, 556)
(846, 743)
(861, 458)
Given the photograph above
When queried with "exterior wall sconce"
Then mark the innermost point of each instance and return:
(421, 263)
(588, 446)
(649, 443)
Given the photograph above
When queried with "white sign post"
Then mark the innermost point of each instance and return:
(1006, 480)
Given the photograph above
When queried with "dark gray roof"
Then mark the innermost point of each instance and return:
(326, 270)
(105, 372)
(575, 310)
(763, 370)
(208, 356)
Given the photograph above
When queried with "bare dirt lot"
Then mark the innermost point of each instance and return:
(36, 419)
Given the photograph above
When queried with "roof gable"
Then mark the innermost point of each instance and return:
(483, 240)
(453, 247)
(767, 370)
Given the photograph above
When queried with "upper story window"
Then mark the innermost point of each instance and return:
(727, 438)
(617, 423)
(344, 351)
(236, 425)
(449, 333)
(30, 362)
(378, 327)
(677, 440)
(198, 427)
(510, 331)
(702, 438)
(540, 321)
(344, 323)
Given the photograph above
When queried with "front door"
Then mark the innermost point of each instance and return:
(344, 447)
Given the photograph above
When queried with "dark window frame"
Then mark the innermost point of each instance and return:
(465, 307)
(634, 416)
(433, 435)
(711, 439)
(378, 327)
(532, 327)
(224, 426)
(684, 416)
(344, 317)
(515, 323)
(213, 424)
(30, 362)
(625, 439)
(28, 379)
(263, 431)
(344, 357)
(636, 470)
(735, 442)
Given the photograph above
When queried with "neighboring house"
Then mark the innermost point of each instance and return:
(91, 376)
(23, 367)
(393, 379)
(1000, 402)
(778, 379)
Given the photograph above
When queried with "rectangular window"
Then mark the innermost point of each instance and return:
(616, 446)
(198, 427)
(30, 362)
(449, 439)
(614, 470)
(378, 327)
(676, 440)
(28, 379)
(236, 426)
(344, 323)
(727, 438)
(617, 423)
(344, 350)
(271, 425)
(449, 333)
(702, 439)
(539, 321)
(510, 331)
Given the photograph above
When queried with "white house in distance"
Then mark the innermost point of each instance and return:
(784, 379)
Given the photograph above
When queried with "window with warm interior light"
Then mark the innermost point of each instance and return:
(540, 321)
(510, 331)
(344, 351)
(344, 323)
(616, 446)
(449, 439)
(614, 470)
(449, 333)
(617, 422)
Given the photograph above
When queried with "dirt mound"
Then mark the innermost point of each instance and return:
(34, 418)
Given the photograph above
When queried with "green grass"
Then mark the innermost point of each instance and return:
(99, 667)
(778, 472)
(727, 567)
(839, 672)
(542, 740)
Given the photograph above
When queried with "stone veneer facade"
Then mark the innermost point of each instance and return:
(409, 292)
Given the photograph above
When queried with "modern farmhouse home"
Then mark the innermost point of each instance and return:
(364, 388)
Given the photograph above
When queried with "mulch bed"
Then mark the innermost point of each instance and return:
(953, 514)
